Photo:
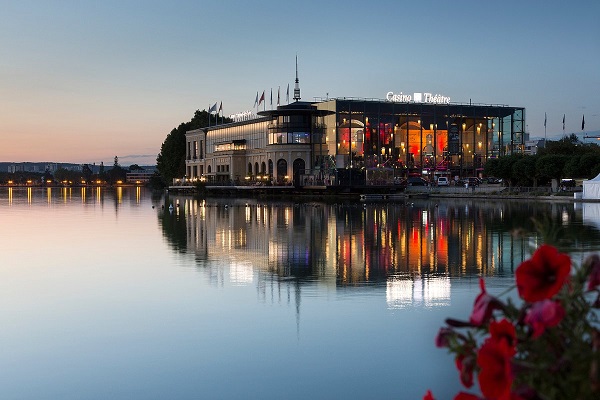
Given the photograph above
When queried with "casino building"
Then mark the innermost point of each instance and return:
(351, 141)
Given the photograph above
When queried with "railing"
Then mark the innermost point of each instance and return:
(289, 127)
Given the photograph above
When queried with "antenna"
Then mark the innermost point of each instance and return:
(297, 82)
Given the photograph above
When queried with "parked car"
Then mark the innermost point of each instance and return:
(400, 182)
(443, 181)
(567, 184)
(471, 182)
(494, 180)
(416, 181)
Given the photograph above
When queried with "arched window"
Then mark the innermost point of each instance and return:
(281, 170)
(299, 167)
(249, 168)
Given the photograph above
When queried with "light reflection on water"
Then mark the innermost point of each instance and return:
(107, 294)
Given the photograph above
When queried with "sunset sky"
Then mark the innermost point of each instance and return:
(84, 81)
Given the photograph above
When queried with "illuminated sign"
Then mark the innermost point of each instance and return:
(242, 116)
(418, 98)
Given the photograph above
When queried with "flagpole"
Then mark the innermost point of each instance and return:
(545, 120)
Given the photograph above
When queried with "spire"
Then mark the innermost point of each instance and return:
(297, 86)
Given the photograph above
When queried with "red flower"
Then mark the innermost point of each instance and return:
(504, 330)
(495, 377)
(428, 396)
(465, 363)
(484, 306)
(544, 314)
(442, 339)
(542, 276)
(593, 263)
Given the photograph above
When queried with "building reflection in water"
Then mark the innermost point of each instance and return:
(406, 291)
(414, 248)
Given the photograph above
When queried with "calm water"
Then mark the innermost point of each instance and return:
(105, 294)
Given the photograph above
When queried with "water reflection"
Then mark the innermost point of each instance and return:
(217, 288)
(356, 244)
(404, 292)
(120, 196)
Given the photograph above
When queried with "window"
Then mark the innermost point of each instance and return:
(300, 137)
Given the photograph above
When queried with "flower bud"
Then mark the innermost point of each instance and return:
(592, 265)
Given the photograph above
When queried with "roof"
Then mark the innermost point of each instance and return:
(295, 108)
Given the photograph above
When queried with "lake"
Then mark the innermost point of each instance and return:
(107, 294)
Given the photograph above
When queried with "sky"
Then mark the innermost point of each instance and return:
(85, 81)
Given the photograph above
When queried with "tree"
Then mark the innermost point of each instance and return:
(502, 167)
(524, 170)
(47, 176)
(87, 172)
(588, 164)
(65, 175)
(573, 167)
(552, 166)
(135, 167)
(116, 174)
(170, 162)
(101, 172)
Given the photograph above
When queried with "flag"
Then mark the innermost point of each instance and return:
(262, 98)
(545, 119)
(213, 109)
(256, 101)
(287, 94)
(278, 88)
(564, 122)
(271, 96)
(220, 108)
(583, 122)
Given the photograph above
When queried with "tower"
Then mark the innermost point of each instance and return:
(297, 84)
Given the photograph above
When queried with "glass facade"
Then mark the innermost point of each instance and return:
(337, 139)
(419, 138)
(254, 134)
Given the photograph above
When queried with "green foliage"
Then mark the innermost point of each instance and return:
(567, 157)
(525, 172)
(20, 177)
(171, 159)
(589, 166)
(491, 167)
(551, 165)
(62, 175)
(570, 146)
(87, 172)
(116, 174)
(502, 167)
(572, 166)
